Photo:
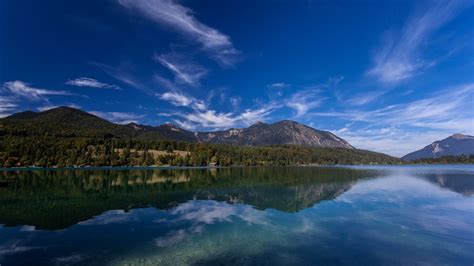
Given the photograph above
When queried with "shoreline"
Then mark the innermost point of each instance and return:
(33, 168)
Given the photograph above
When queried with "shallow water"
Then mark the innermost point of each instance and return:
(282, 215)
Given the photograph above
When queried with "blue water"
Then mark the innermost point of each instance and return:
(410, 215)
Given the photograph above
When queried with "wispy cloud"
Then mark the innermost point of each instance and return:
(277, 89)
(118, 117)
(7, 105)
(279, 85)
(367, 97)
(235, 102)
(92, 83)
(15, 247)
(400, 56)
(305, 100)
(401, 128)
(211, 119)
(391, 140)
(179, 99)
(22, 89)
(123, 73)
(185, 71)
(14, 94)
(449, 104)
(172, 14)
(198, 115)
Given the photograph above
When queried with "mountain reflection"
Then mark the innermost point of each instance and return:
(57, 199)
(460, 183)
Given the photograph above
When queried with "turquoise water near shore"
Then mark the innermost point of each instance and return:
(358, 215)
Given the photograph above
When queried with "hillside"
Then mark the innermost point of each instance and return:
(284, 132)
(70, 137)
(71, 122)
(455, 145)
(63, 122)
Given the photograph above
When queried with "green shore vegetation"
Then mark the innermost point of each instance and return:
(68, 152)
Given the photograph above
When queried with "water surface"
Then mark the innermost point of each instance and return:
(269, 216)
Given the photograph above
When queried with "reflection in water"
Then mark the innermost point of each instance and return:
(302, 215)
(58, 199)
(458, 183)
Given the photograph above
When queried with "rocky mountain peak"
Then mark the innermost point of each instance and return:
(454, 145)
(461, 136)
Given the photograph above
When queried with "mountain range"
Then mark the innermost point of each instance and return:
(64, 122)
(71, 122)
(455, 145)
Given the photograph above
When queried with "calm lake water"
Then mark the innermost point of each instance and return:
(267, 216)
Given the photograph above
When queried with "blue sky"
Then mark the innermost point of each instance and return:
(389, 76)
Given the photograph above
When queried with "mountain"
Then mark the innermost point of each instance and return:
(283, 132)
(168, 131)
(63, 122)
(71, 122)
(457, 144)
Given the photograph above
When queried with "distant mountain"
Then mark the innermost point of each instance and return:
(283, 132)
(457, 144)
(71, 122)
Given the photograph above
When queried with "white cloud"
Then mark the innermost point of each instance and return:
(211, 119)
(89, 82)
(184, 71)
(7, 105)
(12, 93)
(210, 212)
(22, 89)
(402, 128)
(179, 99)
(176, 98)
(15, 247)
(172, 238)
(400, 57)
(194, 216)
(109, 217)
(164, 114)
(305, 100)
(174, 15)
(118, 117)
(277, 89)
(390, 140)
(279, 85)
(202, 117)
(235, 102)
(454, 103)
(123, 73)
(185, 124)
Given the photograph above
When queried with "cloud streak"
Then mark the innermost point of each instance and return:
(401, 128)
(14, 93)
(180, 99)
(92, 83)
(180, 18)
(400, 57)
(184, 71)
(211, 119)
(22, 89)
(303, 101)
(7, 105)
(200, 116)
(118, 117)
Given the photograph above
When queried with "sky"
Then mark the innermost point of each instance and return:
(389, 76)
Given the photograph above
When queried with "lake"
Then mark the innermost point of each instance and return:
(265, 215)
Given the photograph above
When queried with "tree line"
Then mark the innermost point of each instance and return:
(45, 151)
